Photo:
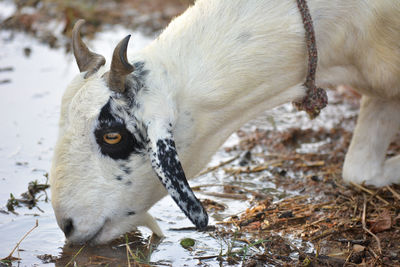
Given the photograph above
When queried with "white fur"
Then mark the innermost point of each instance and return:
(214, 68)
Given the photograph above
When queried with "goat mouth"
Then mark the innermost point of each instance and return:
(87, 240)
(92, 239)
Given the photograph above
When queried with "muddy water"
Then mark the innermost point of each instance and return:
(32, 86)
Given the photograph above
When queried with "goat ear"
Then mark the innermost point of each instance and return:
(86, 59)
(166, 164)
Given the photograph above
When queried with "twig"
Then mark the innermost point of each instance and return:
(315, 222)
(192, 228)
(328, 232)
(254, 193)
(103, 258)
(348, 257)
(395, 194)
(74, 257)
(213, 168)
(253, 169)
(135, 258)
(310, 164)
(353, 241)
(207, 257)
(127, 252)
(364, 225)
(226, 195)
(10, 256)
(372, 193)
(155, 264)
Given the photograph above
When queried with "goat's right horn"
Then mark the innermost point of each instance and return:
(86, 59)
(120, 67)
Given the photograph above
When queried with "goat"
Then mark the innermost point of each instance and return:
(161, 113)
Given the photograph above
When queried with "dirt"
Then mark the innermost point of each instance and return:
(333, 216)
(347, 225)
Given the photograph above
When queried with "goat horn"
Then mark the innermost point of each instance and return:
(86, 59)
(120, 67)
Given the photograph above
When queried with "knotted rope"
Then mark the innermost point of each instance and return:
(316, 98)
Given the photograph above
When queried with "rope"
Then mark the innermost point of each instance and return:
(316, 98)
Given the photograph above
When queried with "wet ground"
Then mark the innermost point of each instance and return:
(273, 191)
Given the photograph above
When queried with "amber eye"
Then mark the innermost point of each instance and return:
(112, 138)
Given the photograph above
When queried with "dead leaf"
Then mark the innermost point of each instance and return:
(254, 226)
(383, 223)
(358, 248)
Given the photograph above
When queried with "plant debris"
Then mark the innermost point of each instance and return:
(47, 258)
(187, 243)
(28, 198)
(320, 220)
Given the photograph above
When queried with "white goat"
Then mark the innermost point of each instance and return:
(214, 68)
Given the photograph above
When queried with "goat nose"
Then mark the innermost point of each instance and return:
(68, 227)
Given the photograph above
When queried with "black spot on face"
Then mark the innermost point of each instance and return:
(130, 213)
(119, 178)
(126, 170)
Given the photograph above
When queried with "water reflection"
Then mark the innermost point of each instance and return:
(133, 247)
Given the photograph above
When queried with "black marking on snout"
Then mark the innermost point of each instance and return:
(68, 227)
(170, 172)
(130, 213)
(109, 123)
(127, 170)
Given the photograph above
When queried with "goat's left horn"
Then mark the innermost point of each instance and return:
(120, 67)
(86, 59)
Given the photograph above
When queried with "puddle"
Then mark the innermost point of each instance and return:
(29, 111)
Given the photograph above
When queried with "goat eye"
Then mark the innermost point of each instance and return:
(112, 138)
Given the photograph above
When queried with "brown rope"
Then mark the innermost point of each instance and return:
(316, 98)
